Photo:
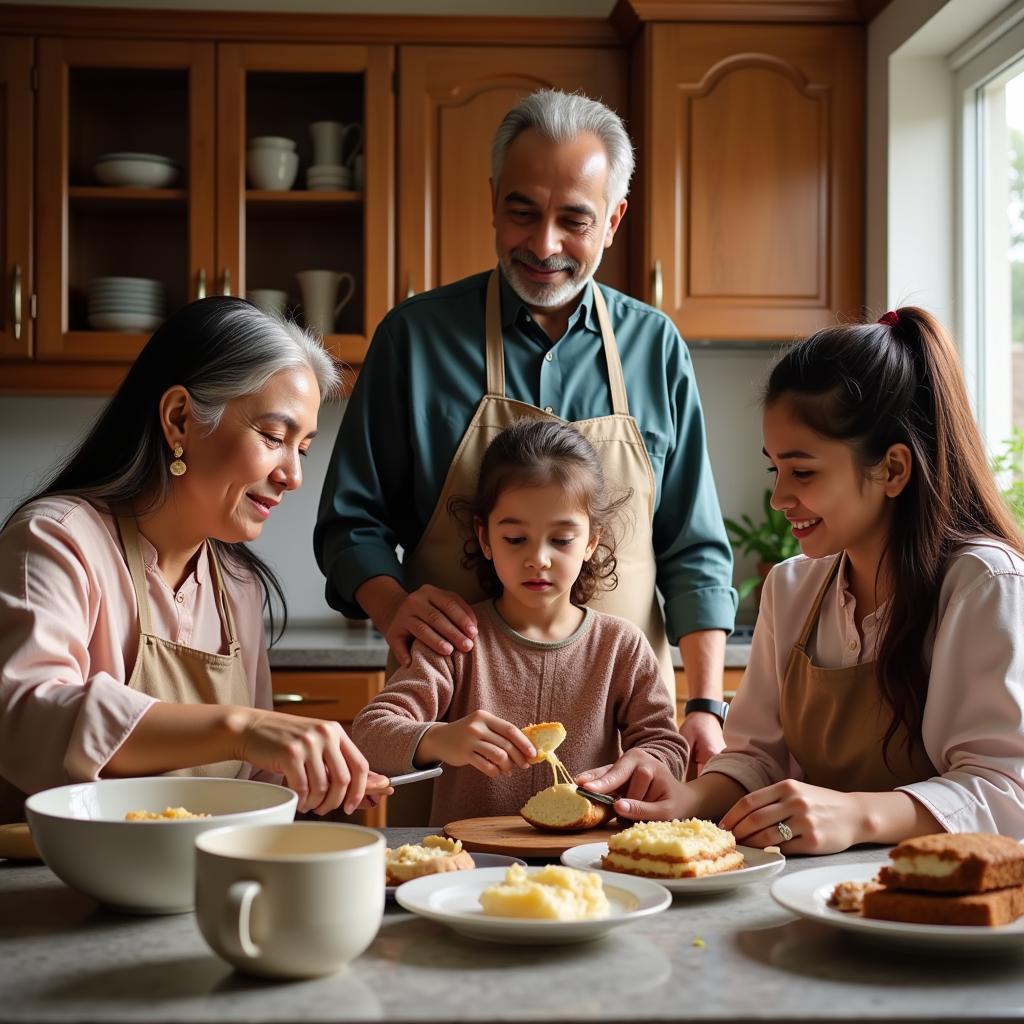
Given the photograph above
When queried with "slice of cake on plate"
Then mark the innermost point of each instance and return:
(690, 848)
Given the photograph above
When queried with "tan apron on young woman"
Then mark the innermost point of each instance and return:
(182, 675)
(834, 721)
(437, 558)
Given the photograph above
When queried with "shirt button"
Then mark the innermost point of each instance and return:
(547, 408)
(528, 318)
(549, 357)
(853, 645)
(179, 598)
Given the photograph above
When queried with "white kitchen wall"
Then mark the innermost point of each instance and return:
(37, 432)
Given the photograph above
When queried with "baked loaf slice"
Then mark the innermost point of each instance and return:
(990, 909)
(434, 854)
(672, 849)
(546, 738)
(967, 862)
(561, 808)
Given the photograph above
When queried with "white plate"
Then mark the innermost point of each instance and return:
(481, 860)
(452, 899)
(760, 866)
(124, 321)
(806, 893)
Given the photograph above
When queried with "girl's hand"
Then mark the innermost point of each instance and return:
(650, 792)
(821, 820)
(440, 618)
(481, 740)
(317, 759)
(704, 734)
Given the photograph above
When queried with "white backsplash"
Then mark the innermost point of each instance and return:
(37, 432)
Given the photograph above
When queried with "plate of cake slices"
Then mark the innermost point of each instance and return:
(546, 905)
(692, 856)
(950, 893)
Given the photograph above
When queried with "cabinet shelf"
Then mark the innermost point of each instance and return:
(102, 195)
(300, 197)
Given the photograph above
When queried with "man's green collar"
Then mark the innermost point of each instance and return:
(512, 307)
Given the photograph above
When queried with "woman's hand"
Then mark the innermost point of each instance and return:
(481, 740)
(821, 820)
(703, 731)
(649, 791)
(440, 618)
(317, 759)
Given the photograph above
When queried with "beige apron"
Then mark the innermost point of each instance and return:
(617, 439)
(834, 720)
(182, 675)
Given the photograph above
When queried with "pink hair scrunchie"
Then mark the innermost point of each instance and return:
(890, 319)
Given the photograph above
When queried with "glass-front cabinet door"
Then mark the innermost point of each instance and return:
(16, 144)
(305, 185)
(125, 172)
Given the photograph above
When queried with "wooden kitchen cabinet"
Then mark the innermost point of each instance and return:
(750, 161)
(99, 96)
(16, 146)
(264, 238)
(331, 695)
(451, 101)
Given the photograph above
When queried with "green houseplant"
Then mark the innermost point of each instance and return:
(1008, 466)
(771, 540)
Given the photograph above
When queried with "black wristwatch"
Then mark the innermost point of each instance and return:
(718, 708)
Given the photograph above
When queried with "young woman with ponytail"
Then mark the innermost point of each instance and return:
(884, 697)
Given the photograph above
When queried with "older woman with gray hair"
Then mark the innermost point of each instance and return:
(131, 609)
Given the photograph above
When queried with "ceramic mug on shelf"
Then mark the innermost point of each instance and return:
(330, 138)
(273, 300)
(319, 297)
(290, 901)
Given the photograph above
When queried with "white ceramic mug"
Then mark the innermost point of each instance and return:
(271, 299)
(290, 901)
(329, 138)
(319, 302)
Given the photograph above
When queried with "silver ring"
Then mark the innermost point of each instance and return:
(785, 832)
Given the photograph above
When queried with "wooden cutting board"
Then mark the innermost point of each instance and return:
(510, 834)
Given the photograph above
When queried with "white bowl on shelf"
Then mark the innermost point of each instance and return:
(127, 309)
(271, 142)
(146, 867)
(135, 170)
(135, 322)
(272, 169)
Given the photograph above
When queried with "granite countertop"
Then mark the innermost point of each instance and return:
(351, 644)
(63, 959)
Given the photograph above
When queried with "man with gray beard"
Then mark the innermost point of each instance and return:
(535, 337)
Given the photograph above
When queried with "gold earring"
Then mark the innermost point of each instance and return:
(177, 467)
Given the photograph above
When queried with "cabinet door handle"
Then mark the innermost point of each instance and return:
(201, 283)
(298, 698)
(16, 300)
(409, 290)
(225, 282)
(657, 285)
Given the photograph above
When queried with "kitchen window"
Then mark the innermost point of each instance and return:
(989, 78)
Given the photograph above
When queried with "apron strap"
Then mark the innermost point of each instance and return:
(130, 539)
(812, 615)
(495, 344)
(496, 348)
(620, 404)
(222, 595)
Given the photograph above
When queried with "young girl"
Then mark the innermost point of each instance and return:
(884, 697)
(543, 547)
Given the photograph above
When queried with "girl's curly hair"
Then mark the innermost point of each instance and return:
(536, 453)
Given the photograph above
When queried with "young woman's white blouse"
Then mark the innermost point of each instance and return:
(973, 727)
(69, 630)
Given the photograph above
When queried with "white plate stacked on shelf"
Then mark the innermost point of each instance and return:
(328, 178)
(135, 170)
(126, 303)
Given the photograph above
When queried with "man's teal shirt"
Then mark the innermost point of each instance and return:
(424, 377)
